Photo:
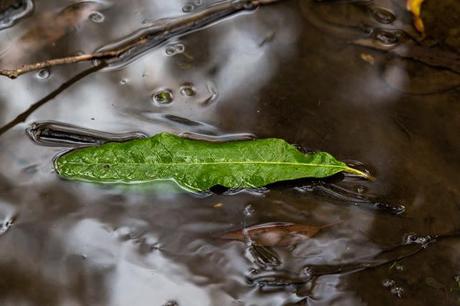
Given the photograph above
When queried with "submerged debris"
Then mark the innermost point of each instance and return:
(281, 234)
(53, 133)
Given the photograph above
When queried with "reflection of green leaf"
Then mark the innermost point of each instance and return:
(197, 165)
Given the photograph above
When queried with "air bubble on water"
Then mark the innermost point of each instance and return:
(387, 37)
(399, 268)
(413, 238)
(123, 81)
(171, 303)
(308, 272)
(43, 74)
(361, 189)
(180, 48)
(388, 283)
(397, 291)
(174, 49)
(96, 17)
(163, 97)
(457, 279)
(383, 15)
(187, 90)
(170, 50)
(249, 211)
(189, 7)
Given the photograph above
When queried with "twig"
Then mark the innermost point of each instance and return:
(157, 33)
(14, 73)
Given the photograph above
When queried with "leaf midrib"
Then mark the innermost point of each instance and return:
(216, 163)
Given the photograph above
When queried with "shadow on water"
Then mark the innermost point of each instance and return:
(292, 70)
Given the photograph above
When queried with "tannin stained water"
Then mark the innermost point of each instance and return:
(297, 70)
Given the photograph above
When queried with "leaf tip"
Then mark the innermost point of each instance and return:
(360, 173)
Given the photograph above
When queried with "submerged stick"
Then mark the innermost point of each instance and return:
(148, 37)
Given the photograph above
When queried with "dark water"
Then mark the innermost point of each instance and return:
(287, 70)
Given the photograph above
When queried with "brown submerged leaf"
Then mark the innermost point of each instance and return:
(281, 234)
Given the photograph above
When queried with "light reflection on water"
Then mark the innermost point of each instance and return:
(274, 74)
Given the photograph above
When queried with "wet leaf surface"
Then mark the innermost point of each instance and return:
(198, 165)
(273, 72)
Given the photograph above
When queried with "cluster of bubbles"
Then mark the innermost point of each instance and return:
(174, 49)
(396, 290)
(166, 96)
(413, 238)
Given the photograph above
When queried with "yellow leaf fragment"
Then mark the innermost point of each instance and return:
(415, 7)
(368, 58)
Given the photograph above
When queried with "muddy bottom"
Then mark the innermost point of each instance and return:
(356, 80)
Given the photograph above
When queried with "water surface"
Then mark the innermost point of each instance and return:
(287, 70)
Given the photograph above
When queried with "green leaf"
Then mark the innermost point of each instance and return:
(197, 165)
